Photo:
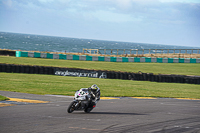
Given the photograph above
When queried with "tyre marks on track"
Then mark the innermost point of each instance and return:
(171, 126)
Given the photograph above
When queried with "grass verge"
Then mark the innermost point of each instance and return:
(2, 98)
(65, 85)
(156, 68)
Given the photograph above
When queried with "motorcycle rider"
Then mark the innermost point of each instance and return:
(95, 93)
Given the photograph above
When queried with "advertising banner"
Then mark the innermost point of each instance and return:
(81, 73)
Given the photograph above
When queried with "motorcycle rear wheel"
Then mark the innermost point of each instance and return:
(71, 107)
(87, 110)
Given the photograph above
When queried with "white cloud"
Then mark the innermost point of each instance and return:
(45, 1)
(181, 1)
(8, 3)
(108, 16)
(124, 3)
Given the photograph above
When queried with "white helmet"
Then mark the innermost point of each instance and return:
(94, 87)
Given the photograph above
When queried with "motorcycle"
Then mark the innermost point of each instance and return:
(82, 101)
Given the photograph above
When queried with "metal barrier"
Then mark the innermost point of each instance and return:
(140, 51)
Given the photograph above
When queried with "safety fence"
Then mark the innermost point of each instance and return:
(140, 51)
(106, 58)
(12, 68)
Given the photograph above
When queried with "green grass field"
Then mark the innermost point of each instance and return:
(156, 68)
(66, 85)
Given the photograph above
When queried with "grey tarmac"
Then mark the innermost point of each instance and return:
(124, 115)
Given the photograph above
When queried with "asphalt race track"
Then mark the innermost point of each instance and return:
(124, 115)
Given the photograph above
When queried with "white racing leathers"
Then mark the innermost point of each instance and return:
(85, 99)
(95, 95)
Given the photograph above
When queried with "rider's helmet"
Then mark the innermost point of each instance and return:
(94, 87)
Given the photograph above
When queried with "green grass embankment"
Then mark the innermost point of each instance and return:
(156, 68)
(66, 85)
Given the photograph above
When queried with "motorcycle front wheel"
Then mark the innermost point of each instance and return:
(71, 107)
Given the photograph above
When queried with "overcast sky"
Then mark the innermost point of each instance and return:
(171, 22)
